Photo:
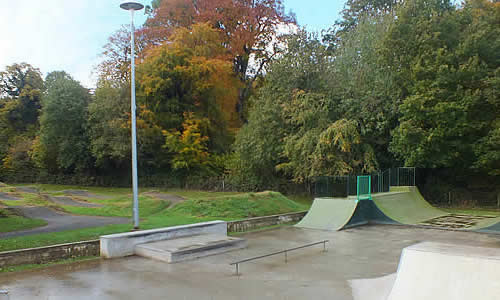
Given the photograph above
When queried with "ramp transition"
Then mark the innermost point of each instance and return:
(440, 271)
(329, 213)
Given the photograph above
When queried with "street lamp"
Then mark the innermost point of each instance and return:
(132, 6)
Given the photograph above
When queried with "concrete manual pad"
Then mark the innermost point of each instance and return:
(190, 247)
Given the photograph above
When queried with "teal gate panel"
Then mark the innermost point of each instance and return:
(364, 188)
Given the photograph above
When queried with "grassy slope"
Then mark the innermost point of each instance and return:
(200, 206)
(239, 206)
(10, 222)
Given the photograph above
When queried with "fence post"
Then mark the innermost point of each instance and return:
(357, 188)
(370, 186)
(390, 178)
(348, 186)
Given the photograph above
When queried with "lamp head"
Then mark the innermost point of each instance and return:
(131, 5)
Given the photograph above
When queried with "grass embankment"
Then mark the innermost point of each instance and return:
(199, 206)
(238, 206)
(11, 222)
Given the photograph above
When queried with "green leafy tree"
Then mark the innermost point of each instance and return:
(64, 142)
(108, 119)
(296, 126)
(189, 148)
(367, 92)
(21, 87)
(449, 65)
(110, 131)
(18, 78)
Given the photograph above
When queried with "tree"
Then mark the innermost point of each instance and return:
(64, 142)
(18, 78)
(115, 66)
(354, 12)
(296, 127)
(110, 126)
(21, 87)
(108, 119)
(247, 26)
(189, 148)
(448, 61)
(191, 75)
(367, 92)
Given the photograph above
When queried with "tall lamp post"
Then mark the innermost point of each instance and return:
(132, 6)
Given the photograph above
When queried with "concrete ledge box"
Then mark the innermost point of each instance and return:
(123, 244)
(191, 247)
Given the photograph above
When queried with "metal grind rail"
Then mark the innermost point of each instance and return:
(237, 264)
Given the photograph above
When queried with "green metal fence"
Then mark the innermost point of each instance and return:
(380, 182)
(364, 188)
(403, 176)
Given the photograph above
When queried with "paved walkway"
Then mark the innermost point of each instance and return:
(62, 200)
(358, 253)
(59, 221)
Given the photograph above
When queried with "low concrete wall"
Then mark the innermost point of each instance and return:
(254, 223)
(123, 244)
(48, 254)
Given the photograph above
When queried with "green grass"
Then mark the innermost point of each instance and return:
(305, 200)
(10, 222)
(239, 206)
(200, 206)
(120, 206)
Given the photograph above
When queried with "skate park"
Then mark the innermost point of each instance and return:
(373, 252)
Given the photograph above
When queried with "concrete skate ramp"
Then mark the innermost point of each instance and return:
(406, 205)
(442, 271)
(329, 213)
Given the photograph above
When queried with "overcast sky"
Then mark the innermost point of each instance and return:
(69, 35)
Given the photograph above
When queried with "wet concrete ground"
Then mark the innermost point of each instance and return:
(358, 253)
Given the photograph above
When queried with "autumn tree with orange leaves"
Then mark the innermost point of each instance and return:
(192, 75)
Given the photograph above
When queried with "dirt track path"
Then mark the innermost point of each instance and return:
(5, 196)
(71, 202)
(173, 199)
(59, 221)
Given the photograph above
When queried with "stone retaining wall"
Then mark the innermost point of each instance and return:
(49, 254)
(254, 223)
(92, 248)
